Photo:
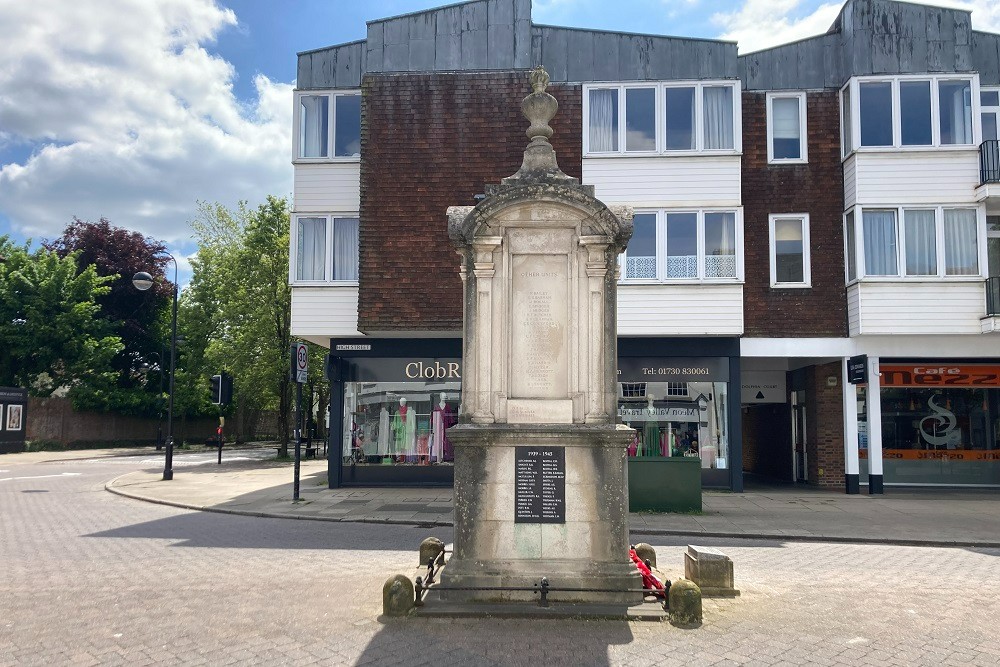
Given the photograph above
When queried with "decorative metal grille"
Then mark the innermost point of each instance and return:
(682, 266)
(720, 266)
(640, 267)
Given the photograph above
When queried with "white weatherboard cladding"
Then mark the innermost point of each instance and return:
(911, 177)
(916, 307)
(681, 310)
(327, 187)
(324, 312)
(671, 181)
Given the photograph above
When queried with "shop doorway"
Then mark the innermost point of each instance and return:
(800, 462)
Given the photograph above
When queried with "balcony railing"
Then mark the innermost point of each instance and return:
(993, 297)
(989, 161)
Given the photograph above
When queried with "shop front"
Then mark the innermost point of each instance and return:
(940, 424)
(394, 399)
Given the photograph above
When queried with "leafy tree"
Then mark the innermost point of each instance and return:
(238, 306)
(50, 334)
(140, 319)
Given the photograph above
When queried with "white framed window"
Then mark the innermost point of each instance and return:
(915, 242)
(989, 104)
(324, 249)
(789, 249)
(679, 389)
(909, 112)
(662, 118)
(327, 126)
(786, 128)
(690, 245)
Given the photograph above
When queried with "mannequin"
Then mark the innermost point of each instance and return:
(633, 447)
(441, 418)
(404, 426)
(650, 432)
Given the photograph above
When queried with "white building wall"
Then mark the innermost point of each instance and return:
(911, 177)
(680, 310)
(916, 307)
(667, 181)
(327, 188)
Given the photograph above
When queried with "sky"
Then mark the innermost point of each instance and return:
(136, 110)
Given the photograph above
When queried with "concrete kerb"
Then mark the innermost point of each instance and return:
(110, 487)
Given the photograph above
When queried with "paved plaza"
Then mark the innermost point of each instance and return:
(89, 578)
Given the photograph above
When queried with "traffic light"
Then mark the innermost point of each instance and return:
(221, 389)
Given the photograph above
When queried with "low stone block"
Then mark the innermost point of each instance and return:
(684, 601)
(646, 553)
(711, 569)
(430, 548)
(397, 596)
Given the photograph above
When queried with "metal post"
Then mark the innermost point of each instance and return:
(220, 444)
(298, 438)
(168, 464)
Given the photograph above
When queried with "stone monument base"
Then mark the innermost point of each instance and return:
(534, 501)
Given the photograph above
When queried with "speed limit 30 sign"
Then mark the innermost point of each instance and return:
(300, 362)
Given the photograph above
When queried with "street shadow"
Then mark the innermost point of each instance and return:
(228, 531)
(487, 641)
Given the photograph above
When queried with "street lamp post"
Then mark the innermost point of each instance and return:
(142, 282)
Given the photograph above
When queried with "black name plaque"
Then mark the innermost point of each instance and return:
(540, 485)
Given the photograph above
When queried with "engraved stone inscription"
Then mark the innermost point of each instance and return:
(540, 485)
(539, 332)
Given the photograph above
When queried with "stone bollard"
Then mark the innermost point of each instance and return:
(685, 603)
(430, 548)
(646, 552)
(711, 569)
(397, 596)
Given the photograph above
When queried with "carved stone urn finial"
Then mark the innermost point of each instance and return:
(540, 163)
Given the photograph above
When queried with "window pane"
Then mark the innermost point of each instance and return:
(961, 249)
(990, 126)
(921, 243)
(956, 112)
(852, 271)
(682, 245)
(680, 119)
(347, 132)
(640, 119)
(785, 129)
(880, 242)
(847, 136)
(311, 254)
(915, 112)
(345, 249)
(603, 121)
(876, 114)
(989, 98)
(718, 117)
(788, 251)
(314, 119)
(640, 256)
(720, 245)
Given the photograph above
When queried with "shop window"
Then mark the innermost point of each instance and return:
(329, 119)
(899, 112)
(399, 423)
(786, 128)
(789, 250)
(694, 245)
(326, 249)
(937, 242)
(662, 118)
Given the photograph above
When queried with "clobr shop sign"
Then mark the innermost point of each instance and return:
(940, 375)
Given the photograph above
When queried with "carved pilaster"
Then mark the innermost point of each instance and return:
(480, 335)
(597, 331)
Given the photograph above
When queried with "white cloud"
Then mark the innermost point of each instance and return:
(136, 120)
(759, 24)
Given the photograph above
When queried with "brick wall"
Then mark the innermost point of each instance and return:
(430, 141)
(815, 188)
(825, 426)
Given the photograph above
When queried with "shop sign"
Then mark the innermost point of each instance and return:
(940, 375)
(673, 369)
(390, 369)
(13, 419)
(936, 455)
(659, 414)
(762, 387)
(857, 369)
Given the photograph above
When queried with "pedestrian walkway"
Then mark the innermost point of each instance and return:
(925, 517)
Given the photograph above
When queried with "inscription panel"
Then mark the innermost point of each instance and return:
(539, 326)
(540, 485)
